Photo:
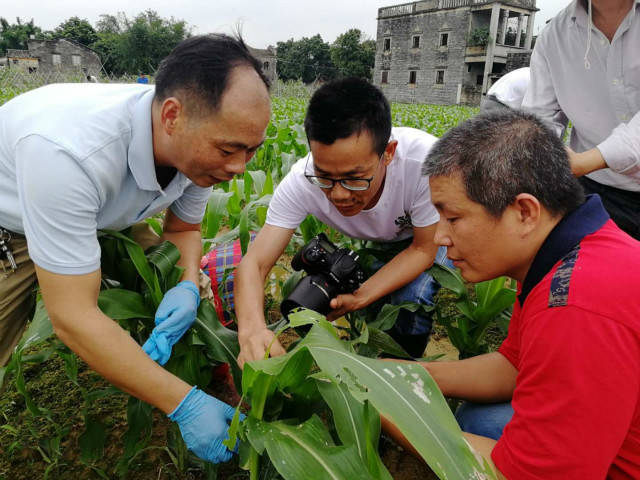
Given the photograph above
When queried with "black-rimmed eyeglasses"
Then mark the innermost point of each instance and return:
(349, 183)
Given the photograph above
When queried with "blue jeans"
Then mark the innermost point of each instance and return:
(421, 290)
(485, 419)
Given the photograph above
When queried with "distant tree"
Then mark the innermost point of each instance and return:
(78, 30)
(307, 59)
(16, 35)
(353, 55)
(109, 31)
(138, 45)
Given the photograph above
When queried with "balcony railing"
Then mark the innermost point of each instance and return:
(410, 8)
(404, 9)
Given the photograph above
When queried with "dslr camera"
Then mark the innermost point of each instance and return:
(330, 272)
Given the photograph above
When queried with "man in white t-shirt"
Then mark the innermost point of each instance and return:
(363, 179)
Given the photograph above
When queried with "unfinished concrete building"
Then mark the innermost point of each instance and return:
(449, 51)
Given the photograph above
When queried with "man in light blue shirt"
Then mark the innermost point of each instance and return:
(585, 69)
(78, 158)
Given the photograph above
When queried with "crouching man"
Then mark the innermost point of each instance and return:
(570, 365)
(362, 178)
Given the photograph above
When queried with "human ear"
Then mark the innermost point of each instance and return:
(528, 212)
(171, 111)
(389, 152)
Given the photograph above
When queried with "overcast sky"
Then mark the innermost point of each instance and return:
(264, 22)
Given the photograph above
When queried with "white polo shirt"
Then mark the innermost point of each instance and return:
(405, 201)
(602, 102)
(75, 158)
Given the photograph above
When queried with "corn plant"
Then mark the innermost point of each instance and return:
(467, 328)
(324, 377)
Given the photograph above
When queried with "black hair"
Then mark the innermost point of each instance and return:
(343, 107)
(198, 68)
(502, 154)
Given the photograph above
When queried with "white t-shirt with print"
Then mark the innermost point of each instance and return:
(405, 201)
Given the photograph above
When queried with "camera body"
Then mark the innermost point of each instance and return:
(330, 272)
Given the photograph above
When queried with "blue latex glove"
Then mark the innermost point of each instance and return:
(203, 424)
(174, 316)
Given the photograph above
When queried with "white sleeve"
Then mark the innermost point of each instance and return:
(191, 204)
(287, 208)
(423, 212)
(540, 98)
(621, 150)
(59, 204)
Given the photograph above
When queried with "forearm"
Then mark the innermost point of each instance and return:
(482, 445)
(621, 149)
(190, 245)
(485, 378)
(111, 352)
(249, 298)
(586, 162)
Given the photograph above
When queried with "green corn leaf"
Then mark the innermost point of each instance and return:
(138, 433)
(234, 426)
(383, 343)
(448, 278)
(248, 186)
(258, 180)
(216, 211)
(406, 395)
(155, 225)
(221, 343)
(290, 283)
(39, 330)
(267, 188)
(354, 426)
(139, 259)
(243, 226)
(92, 440)
(120, 304)
(190, 363)
(306, 451)
(163, 257)
(389, 313)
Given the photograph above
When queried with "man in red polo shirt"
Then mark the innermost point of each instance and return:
(570, 365)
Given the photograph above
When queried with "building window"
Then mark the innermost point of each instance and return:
(265, 66)
(385, 77)
(15, 61)
(75, 60)
(55, 59)
(387, 45)
(444, 39)
(439, 77)
(413, 75)
(416, 41)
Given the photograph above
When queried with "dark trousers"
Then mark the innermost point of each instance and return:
(622, 205)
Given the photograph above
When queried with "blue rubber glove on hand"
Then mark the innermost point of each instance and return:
(203, 422)
(174, 316)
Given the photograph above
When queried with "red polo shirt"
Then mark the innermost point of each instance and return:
(574, 338)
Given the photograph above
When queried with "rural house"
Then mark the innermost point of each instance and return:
(55, 55)
(450, 51)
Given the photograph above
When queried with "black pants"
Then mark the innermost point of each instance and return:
(622, 205)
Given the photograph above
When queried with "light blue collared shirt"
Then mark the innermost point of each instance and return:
(602, 102)
(75, 158)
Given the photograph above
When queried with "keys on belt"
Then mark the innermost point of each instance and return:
(5, 251)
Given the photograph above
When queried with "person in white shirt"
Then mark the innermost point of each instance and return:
(75, 158)
(508, 91)
(585, 69)
(362, 178)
